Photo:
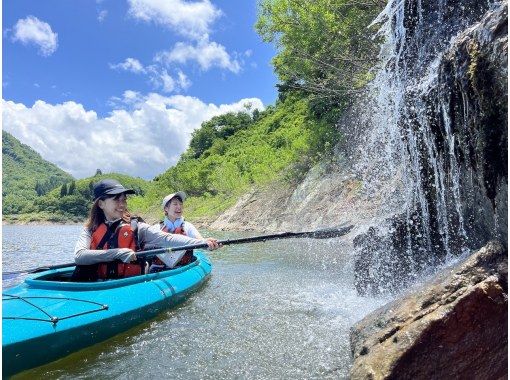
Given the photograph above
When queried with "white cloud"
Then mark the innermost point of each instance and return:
(130, 64)
(158, 76)
(183, 80)
(143, 141)
(162, 80)
(167, 81)
(31, 30)
(190, 19)
(206, 53)
(101, 16)
(131, 96)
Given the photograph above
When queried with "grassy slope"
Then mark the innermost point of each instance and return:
(277, 145)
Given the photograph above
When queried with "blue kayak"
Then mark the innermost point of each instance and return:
(48, 317)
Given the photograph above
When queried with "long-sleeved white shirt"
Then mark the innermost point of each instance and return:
(148, 236)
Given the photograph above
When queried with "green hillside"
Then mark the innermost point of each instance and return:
(26, 176)
(232, 153)
(70, 202)
(34, 189)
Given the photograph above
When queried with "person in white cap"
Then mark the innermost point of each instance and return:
(173, 207)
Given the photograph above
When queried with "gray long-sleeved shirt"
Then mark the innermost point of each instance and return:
(148, 236)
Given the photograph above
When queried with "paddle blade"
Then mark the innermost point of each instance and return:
(329, 233)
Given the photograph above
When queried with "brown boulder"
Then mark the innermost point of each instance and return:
(453, 327)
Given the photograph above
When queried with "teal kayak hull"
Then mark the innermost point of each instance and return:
(44, 319)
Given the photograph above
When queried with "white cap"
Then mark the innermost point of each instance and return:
(168, 198)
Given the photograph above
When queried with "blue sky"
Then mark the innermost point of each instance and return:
(121, 85)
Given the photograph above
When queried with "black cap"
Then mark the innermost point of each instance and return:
(110, 187)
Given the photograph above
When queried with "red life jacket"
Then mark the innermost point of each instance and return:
(123, 237)
(188, 255)
(120, 235)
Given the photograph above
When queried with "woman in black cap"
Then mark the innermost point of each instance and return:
(108, 242)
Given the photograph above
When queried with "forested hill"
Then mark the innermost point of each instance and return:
(232, 153)
(26, 176)
(36, 190)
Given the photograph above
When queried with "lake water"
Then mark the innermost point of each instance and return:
(274, 310)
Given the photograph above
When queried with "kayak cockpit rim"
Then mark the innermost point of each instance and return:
(45, 280)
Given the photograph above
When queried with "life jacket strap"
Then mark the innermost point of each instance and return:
(109, 232)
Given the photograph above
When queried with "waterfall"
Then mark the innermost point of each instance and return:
(419, 131)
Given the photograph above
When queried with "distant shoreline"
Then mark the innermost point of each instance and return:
(40, 223)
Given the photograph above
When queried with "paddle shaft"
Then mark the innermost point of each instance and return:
(319, 234)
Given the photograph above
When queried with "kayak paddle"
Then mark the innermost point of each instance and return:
(319, 234)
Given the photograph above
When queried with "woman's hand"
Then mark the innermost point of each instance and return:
(133, 256)
(212, 243)
(127, 255)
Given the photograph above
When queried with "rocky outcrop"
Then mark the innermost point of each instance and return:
(475, 74)
(454, 327)
(328, 197)
(472, 90)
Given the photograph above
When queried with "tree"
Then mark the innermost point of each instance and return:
(98, 172)
(63, 190)
(39, 189)
(202, 139)
(72, 188)
(324, 47)
(222, 127)
(91, 189)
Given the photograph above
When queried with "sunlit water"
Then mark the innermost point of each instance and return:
(273, 310)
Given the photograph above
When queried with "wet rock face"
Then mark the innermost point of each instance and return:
(472, 85)
(453, 327)
(453, 122)
(429, 27)
(388, 260)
